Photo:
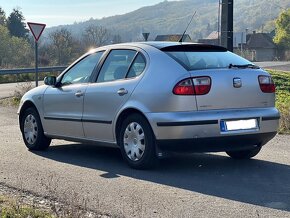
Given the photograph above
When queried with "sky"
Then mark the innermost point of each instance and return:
(59, 12)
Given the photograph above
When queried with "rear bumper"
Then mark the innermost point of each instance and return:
(201, 130)
(216, 144)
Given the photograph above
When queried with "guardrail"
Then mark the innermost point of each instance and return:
(32, 70)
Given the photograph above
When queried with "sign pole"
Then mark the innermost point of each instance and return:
(36, 63)
(36, 29)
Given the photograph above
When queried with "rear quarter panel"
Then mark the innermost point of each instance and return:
(154, 92)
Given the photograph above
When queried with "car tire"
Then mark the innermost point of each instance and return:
(32, 131)
(137, 142)
(244, 154)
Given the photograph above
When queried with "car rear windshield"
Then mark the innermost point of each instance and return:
(197, 60)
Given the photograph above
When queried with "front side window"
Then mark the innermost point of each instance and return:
(192, 60)
(116, 65)
(82, 71)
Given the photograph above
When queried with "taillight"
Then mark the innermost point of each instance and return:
(193, 86)
(202, 85)
(266, 84)
(184, 87)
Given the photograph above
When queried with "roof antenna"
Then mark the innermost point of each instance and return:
(181, 39)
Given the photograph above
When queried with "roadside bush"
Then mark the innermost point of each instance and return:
(285, 118)
(21, 89)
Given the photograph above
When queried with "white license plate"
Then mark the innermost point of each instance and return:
(234, 125)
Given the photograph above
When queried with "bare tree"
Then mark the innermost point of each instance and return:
(116, 39)
(62, 42)
(96, 35)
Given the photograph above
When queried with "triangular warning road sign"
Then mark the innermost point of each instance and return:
(145, 35)
(36, 29)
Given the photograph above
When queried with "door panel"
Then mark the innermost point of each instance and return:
(101, 104)
(117, 79)
(63, 110)
(63, 106)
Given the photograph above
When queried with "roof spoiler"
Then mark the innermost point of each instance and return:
(194, 47)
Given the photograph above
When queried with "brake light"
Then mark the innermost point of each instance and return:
(184, 87)
(266, 84)
(193, 86)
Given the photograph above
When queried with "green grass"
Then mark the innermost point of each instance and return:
(282, 81)
(12, 209)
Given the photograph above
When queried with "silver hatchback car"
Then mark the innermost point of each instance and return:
(151, 98)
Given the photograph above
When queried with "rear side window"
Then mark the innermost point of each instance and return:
(192, 60)
(116, 65)
(137, 67)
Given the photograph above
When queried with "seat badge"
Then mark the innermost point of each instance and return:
(237, 82)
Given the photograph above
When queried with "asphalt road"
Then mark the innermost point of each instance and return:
(198, 185)
(8, 89)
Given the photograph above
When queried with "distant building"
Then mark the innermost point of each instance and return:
(261, 47)
(173, 38)
(255, 46)
(212, 39)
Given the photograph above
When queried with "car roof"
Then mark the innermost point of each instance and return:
(185, 46)
(178, 46)
(170, 46)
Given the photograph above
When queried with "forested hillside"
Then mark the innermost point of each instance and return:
(63, 44)
(173, 16)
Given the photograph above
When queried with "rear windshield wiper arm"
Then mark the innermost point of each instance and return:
(252, 66)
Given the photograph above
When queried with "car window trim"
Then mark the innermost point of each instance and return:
(95, 79)
(131, 64)
(98, 68)
(60, 77)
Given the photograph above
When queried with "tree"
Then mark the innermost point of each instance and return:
(116, 39)
(282, 37)
(2, 17)
(16, 25)
(96, 35)
(62, 42)
(14, 52)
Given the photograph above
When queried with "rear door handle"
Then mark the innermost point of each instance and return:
(79, 94)
(122, 92)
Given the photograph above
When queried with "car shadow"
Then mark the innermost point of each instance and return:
(254, 181)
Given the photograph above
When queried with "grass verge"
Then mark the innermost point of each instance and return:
(25, 77)
(11, 208)
(282, 81)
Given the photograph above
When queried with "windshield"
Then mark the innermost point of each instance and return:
(192, 60)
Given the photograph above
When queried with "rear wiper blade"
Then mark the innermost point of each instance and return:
(252, 66)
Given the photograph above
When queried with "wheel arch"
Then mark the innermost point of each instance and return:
(125, 113)
(26, 105)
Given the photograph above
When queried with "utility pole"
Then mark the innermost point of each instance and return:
(227, 24)
(218, 23)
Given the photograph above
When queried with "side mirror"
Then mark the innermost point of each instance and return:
(50, 80)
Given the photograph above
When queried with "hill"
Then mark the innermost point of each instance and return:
(172, 17)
